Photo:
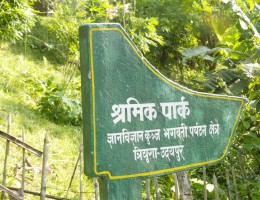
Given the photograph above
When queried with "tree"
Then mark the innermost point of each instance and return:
(16, 19)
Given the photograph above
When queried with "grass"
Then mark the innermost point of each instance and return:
(18, 97)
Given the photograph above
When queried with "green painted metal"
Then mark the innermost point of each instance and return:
(138, 123)
(127, 189)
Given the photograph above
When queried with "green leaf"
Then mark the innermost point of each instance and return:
(253, 68)
(254, 94)
(255, 196)
(207, 57)
(254, 103)
(256, 143)
(251, 4)
(243, 24)
(246, 124)
(195, 51)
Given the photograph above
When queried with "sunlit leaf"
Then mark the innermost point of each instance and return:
(195, 51)
(251, 4)
(243, 24)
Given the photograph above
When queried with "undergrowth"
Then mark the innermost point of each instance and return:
(30, 87)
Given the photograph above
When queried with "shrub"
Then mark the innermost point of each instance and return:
(55, 105)
(16, 18)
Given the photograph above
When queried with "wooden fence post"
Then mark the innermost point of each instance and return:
(23, 167)
(96, 188)
(6, 154)
(235, 182)
(148, 189)
(73, 174)
(176, 186)
(184, 185)
(80, 171)
(44, 167)
(12, 195)
(228, 184)
(157, 190)
(205, 194)
(244, 177)
(216, 187)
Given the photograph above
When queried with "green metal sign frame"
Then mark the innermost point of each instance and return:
(138, 123)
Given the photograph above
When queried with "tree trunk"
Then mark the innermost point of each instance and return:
(184, 185)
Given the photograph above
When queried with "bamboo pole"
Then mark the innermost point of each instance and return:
(6, 154)
(244, 177)
(134, 6)
(205, 194)
(228, 184)
(23, 172)
(124, 13)
(157, 189)
(216, 187)
(14, 195)
(44, 167)
(96, 188)
(176, 186)
(184, 185)
(38, 194)
(235, 182)
(73, 174)
(21, 144)
(148, 189)
(80, 172)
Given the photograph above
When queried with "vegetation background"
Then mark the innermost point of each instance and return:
(207, 45)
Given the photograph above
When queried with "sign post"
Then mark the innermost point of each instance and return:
(139, 124)
(128, 189)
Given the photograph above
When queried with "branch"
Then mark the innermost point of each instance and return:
(240, 13)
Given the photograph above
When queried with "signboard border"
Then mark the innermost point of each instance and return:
(167, 81)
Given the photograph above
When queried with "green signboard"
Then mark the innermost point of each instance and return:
(138, 123)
